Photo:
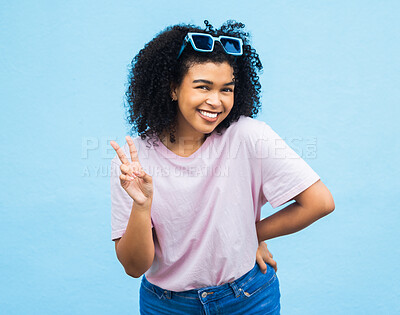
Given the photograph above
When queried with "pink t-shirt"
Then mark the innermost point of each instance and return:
(205, 206)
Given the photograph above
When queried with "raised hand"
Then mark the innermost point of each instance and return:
(136, 182)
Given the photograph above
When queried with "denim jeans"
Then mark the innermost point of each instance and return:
(253, 293)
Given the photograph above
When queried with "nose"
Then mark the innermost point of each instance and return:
(214, 99)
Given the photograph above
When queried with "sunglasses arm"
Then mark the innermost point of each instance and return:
(182, 48)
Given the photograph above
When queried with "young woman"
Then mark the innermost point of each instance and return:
(187, 192)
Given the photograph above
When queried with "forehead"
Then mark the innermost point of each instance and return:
(208, 70)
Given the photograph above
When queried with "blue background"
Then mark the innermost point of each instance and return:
(330, 88)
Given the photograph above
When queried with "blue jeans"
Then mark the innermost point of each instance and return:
(253, 293)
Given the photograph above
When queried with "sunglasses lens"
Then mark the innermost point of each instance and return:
(203, 42)
(231, 45)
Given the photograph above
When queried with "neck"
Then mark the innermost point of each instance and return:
(183, 145)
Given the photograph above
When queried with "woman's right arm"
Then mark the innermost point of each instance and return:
(135, 249)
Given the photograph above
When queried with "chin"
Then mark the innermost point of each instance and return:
(207, 130)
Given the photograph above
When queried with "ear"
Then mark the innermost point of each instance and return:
(174, 95)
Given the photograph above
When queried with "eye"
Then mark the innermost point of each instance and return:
(202, 87)
(227, 90)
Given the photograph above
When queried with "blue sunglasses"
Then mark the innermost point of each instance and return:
(205, 43)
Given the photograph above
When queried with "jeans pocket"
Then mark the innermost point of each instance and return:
(259, 282)
(148, 287)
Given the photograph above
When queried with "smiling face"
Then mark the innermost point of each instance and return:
(205, 98)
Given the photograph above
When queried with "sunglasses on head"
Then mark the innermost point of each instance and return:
(205, 43)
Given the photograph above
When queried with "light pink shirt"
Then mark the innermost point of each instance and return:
(205, 206)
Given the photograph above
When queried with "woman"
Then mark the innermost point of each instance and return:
(186, 205)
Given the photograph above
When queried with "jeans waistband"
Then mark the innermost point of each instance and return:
(207, 294)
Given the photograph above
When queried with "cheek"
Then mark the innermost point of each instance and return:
(229, 102)
(192, 99)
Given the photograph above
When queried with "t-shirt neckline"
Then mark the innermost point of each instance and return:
(168, 153)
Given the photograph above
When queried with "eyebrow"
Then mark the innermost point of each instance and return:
(211, 83)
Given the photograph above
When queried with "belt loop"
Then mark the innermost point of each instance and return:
(234, 288)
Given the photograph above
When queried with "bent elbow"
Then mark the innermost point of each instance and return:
(133, 273)
(329, 206)
(137, 272)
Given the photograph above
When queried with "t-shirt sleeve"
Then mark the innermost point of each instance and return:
(121, 203)
(284, 173)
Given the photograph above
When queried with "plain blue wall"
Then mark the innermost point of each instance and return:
(330, 88)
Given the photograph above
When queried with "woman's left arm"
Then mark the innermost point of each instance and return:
(312, 204)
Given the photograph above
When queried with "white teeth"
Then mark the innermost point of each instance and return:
(208, 114)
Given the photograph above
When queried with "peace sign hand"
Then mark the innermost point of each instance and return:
(134, 179)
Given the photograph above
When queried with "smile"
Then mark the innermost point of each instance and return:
(208, 115)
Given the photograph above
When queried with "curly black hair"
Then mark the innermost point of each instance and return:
(150, 109)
